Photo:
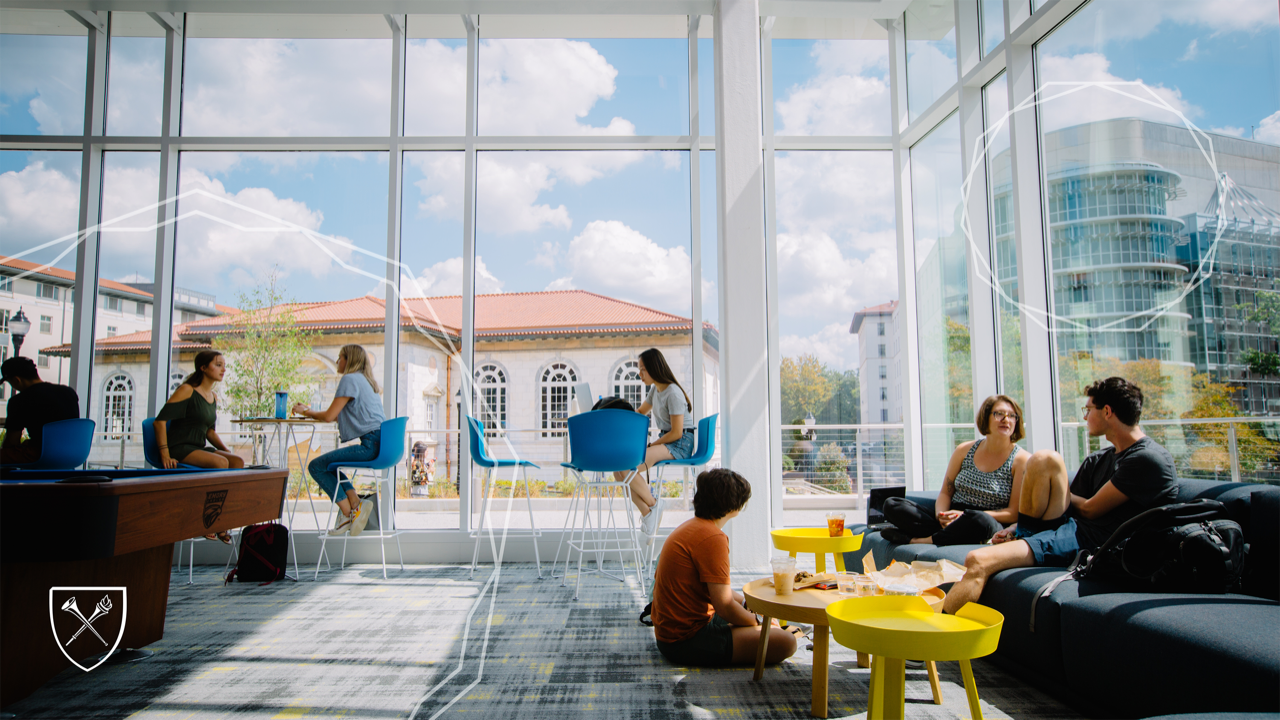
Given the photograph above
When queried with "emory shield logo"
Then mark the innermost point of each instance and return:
(88, 622)
(213, 506)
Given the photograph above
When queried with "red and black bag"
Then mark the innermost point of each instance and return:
(264, 552)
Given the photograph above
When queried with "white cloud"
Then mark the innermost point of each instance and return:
(848, 96)
(435, 89)
(1098, 103)
(543, 87)
(611, 258)
(37, 204)
(1231, 130)
(1192, 51)
(286, 87)
(834, 346)
(51, 69)
(1134, 19)
(1269, 129)
(445, 278)
(136, 100)
(816, 279)
(847, 195)
(547, 255)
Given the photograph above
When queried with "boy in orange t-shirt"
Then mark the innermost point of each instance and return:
(698, 619)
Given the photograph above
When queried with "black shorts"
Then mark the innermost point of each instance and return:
(712, 646)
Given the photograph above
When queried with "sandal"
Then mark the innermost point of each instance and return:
(224, 536)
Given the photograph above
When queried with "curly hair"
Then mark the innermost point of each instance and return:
(720, 492)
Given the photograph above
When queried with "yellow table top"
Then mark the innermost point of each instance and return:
(905, 627)
(815, 540)
(808, 605)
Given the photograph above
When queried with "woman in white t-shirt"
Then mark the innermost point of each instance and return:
(358, 412)
(670, 405)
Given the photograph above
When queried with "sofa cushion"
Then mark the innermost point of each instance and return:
(1140, 654)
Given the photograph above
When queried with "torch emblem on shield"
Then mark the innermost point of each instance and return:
(88, 622)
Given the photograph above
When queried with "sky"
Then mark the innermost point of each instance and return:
(616, 223)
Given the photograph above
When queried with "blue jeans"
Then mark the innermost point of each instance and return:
(328, 479)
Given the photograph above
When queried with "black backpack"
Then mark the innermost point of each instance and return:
(1186, 548)
(613, 403)
(264, 552)
(1181, 548)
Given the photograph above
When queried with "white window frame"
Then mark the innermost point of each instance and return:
(555, 387)
(490, 402)
(627, 383)
(117, 405)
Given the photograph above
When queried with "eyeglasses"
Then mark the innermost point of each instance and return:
(1002, 415)
(1086, 410)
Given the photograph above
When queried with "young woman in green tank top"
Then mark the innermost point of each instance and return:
(187, 420)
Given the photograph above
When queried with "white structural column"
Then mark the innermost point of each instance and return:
(95, 107)
(744, 399)
(983, 343)
(166, 237)
(1040, 398)
(395, 178)
(695, 224)
(771, 270)
(913, 433)
(467, 355)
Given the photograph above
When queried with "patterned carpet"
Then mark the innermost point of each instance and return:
(432, 643)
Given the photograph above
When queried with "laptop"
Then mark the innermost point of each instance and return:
(581, 400)
(875, 505)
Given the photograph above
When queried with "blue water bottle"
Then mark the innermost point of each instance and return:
(282, 405)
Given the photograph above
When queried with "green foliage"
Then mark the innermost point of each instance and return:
(564, 488)
(502, 489)
(441, 488)
(959, 373)
(788, 465)
(1261, 363)
(265, 350)
(672, 489)
(1265, 310)
(1214, 399)
(806, 386)
(832, 463)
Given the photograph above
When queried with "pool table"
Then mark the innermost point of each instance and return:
(106, 527)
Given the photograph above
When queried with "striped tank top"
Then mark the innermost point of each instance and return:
(984, 490)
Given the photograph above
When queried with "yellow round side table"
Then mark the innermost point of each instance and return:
(817, 541)
(893, 628)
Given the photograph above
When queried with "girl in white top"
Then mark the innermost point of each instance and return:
(670, 406)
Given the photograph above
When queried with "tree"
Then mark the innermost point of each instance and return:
(264, 350)
(1265, 310)
(1212, 399)
(1261, 363)
(959, 373)
(806, 387)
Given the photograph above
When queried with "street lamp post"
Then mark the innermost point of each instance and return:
(19, 326)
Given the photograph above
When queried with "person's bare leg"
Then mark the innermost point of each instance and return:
(234, 461)
(640, 494)
(980, 565)
(207, 459)
(1045, 492)
(746, 640)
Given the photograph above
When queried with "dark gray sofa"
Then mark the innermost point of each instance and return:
(1113, 653)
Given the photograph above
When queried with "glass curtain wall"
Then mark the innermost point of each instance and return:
(942, 297)
(1004, 254)
(1164, 253)
(931, 53)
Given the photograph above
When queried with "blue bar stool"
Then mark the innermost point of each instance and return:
(64, 445)
(391, 450)
(603, 442)
(702, 454)
(480, 456)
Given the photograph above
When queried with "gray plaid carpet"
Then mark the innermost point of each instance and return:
(430, 642)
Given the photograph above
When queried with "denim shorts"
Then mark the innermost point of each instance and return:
(1056, 547)
(682, 448)
(712, 646)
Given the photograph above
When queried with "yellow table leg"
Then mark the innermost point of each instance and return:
(934, 685)
(839, 561)
(894, 686)
(875, 690)
(762, 648)
(821, 646)
(971, 689)
(820, 559)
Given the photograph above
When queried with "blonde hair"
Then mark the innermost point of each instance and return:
(358, 362)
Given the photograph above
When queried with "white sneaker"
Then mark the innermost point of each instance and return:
(649, 523)
(343, 525)
(361, 518)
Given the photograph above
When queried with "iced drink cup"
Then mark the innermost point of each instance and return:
(784, 575)
(835, 524)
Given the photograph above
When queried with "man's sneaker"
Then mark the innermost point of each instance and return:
(362, 517)
(343, 525)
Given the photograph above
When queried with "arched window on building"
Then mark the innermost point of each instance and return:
(175, 380)
(117, 405)
(490, 405)
(557, 382)
(627, 383)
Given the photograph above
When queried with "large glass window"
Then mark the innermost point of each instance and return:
(435, 76)
(43, 61)
(832, 87)
(942, 297)
(286, 75)
(1004, 251)
(931, 53)
(135, 75)
(280, 262)
(582, 258)
(991, 15)
(838, 285)
(1151, 233)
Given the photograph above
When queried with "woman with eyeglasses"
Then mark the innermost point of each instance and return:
(980, 492)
